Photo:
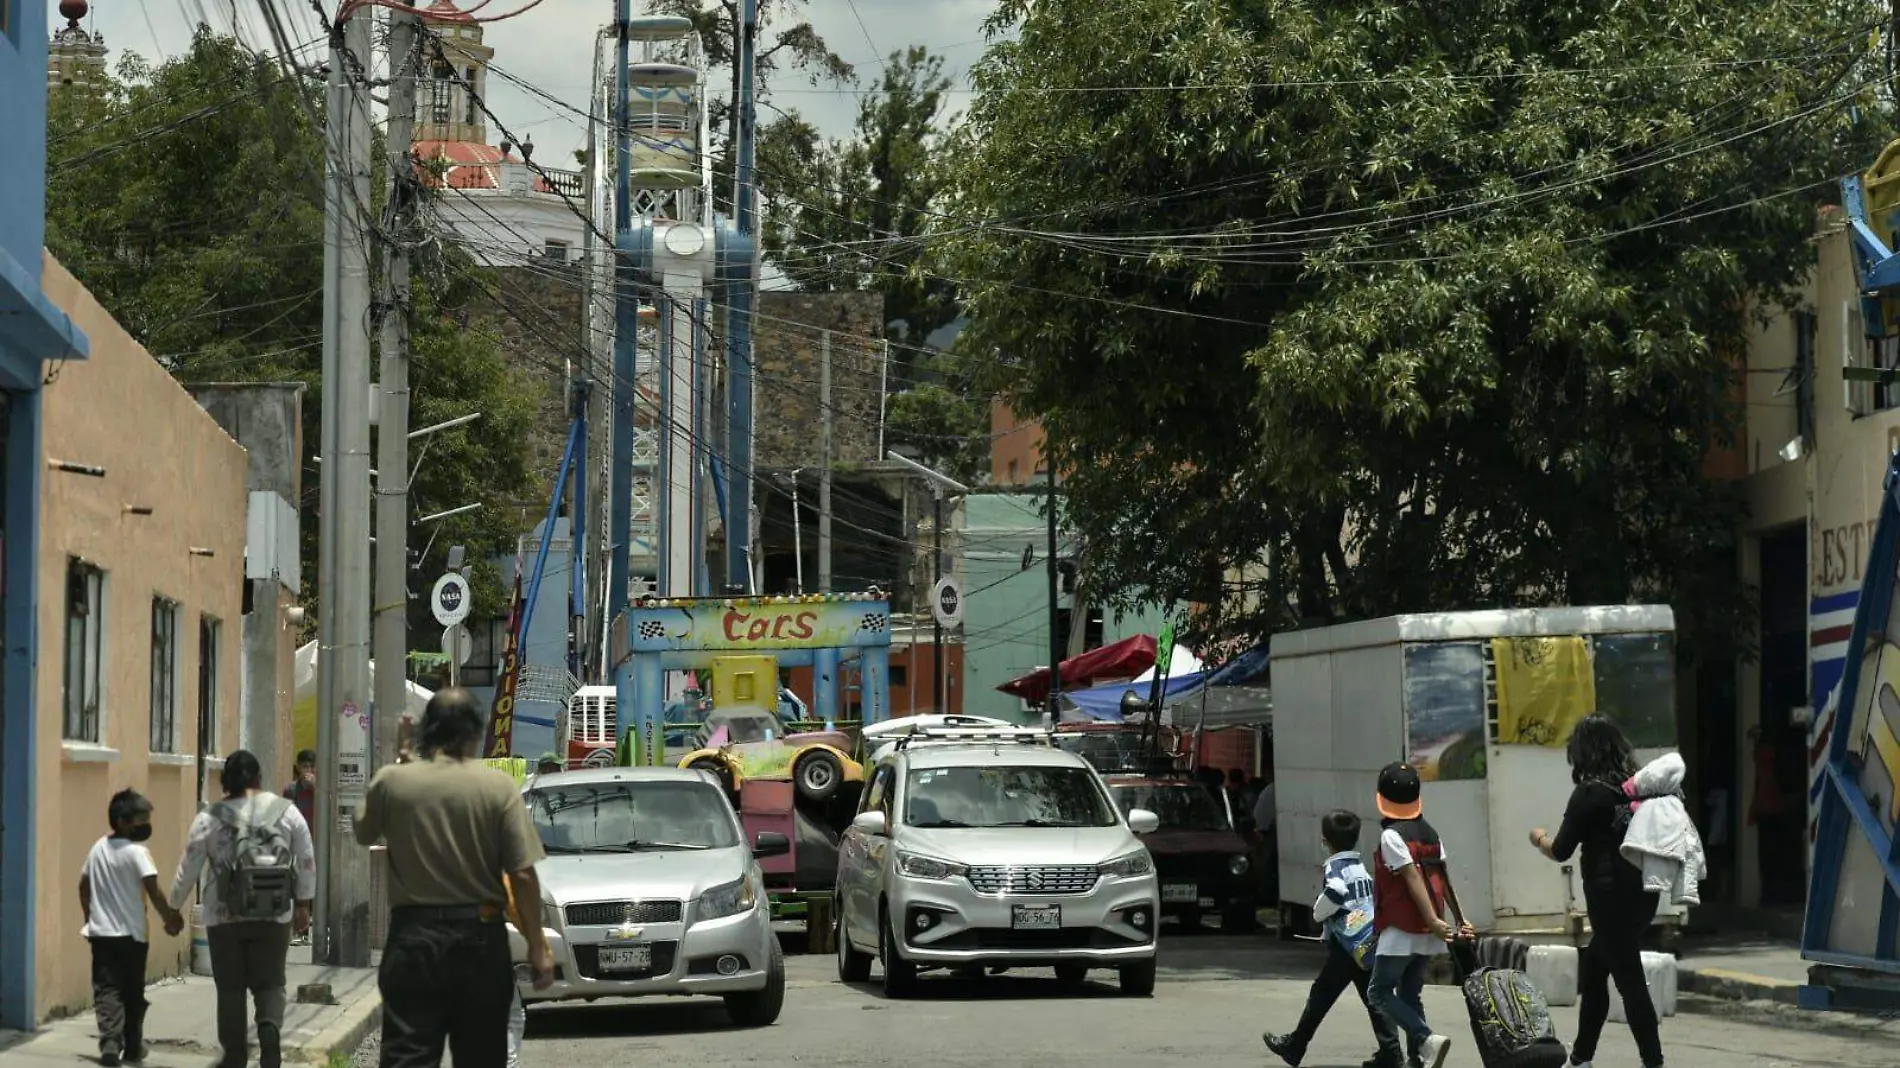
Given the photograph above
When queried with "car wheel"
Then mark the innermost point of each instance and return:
(760, 1008)
(900, 975)
(819, 774)
(1072, 974)
(853, 966)
(720, 771)
(1138, 979)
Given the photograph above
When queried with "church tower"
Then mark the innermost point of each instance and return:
(445, 110)
(76, 56)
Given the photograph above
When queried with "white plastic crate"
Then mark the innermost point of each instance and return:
(1553, 971)
(1659, 972)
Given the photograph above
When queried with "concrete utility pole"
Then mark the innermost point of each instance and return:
(824, 455)
(938, 484)
(798, 538)
(391, 620)
(343, 740)
(1055, 589)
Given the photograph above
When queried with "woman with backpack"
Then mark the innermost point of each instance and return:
(1620, 906)
(261, 879)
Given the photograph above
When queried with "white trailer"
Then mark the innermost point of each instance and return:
(1351, 698)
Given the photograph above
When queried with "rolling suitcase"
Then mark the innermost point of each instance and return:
(1509, 1021)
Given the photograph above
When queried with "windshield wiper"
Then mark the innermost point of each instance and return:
(942, 823)
(1040, 823)
(635, 846)
(566, 849)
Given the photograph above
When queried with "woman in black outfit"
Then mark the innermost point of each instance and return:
(1620, 909)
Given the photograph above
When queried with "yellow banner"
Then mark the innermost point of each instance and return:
(513, 766)
(1545, 686)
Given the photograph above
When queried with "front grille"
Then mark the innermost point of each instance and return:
(587, 962)
(615, 913)
(997, 938)
(1071, 879)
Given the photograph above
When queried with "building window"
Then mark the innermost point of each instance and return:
(210, 639)
(1858, 350)
(441, 93)
(85, 650)
(555, 249)
(164, 675)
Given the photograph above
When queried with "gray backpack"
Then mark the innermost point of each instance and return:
(259, 881)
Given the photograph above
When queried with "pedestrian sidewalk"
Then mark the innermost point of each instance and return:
(1742, 968)
(181, 1027)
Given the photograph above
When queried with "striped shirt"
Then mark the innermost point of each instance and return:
(1344, 906)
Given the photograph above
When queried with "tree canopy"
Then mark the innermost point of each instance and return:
(188, 198)
(1401, 306)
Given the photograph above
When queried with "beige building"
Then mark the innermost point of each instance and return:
(1816, 451)
(141, 576)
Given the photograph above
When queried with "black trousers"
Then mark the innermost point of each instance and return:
(118, 993)
(247, 962)
(1619, 914)
(445, 981)
(1338, 973)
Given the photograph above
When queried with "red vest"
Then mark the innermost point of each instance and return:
(1392, 902)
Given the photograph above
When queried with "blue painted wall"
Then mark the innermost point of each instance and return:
(31, 331)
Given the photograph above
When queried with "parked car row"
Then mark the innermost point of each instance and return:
(974, 846)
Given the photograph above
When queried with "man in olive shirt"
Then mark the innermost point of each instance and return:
(453, 830)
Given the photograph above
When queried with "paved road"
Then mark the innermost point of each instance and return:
(1215, 997)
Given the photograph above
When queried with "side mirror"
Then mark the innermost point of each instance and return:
(771, 844)
(1142, 821)
(872, 822)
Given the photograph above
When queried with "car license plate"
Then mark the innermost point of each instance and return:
(626, 958)
(1036, 917)
(1180, 892)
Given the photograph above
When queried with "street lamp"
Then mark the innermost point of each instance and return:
(938, 483)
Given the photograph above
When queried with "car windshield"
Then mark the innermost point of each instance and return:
(1005, 797)
(1182, 806)
(747, 726)
(627, 817)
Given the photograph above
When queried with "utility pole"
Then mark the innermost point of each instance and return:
(343, 743)
(391, 619)
(824, 453)
(798, 536)
(1055, 589)
(936, 576)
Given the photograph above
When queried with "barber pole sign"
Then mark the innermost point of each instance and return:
(500, 742)
(1830, 626)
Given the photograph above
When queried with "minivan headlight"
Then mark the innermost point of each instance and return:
(1136, 863)
(918, 866)
(1239, 864)
(728, 900)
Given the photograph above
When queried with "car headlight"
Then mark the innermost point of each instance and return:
(728, 900)
(1136, 863)
(918, 866)
(1238, 864)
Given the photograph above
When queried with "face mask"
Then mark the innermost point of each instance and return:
(139, 834)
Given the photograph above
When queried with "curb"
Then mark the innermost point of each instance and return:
(1780, 1014)
(358, 1019)
(1726, 985)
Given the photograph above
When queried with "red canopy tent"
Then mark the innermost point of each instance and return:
(1124, 659)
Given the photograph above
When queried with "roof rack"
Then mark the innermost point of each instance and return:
(1019, 735)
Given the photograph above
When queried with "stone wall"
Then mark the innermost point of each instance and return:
(786, 343)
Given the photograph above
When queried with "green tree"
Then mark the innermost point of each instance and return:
(852, 213)
(188, 198)
(1423, 306)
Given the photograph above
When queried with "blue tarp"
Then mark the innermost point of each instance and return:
(1246, 669)
(1103, 703)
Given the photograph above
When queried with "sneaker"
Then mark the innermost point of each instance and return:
(109, 1057)
(1286, 1047)
(1432, 1052)
(1392, 1059)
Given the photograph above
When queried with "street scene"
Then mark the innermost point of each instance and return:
(836, 531)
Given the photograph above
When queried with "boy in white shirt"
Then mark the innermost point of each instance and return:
(1344, 911)
(118, 871)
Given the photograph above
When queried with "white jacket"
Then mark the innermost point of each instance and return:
(1661, 839)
